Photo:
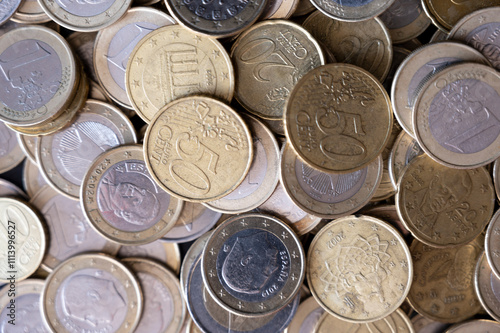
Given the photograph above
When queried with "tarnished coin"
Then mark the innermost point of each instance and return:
(487, 286)
(33, 179)
(83, 45)
(405, 20)
(269, 59)
(399, 55)
(328, 195)
(403, 151)
(281, 206)
(366, 44)
(28, 145)
(422, 324)
(30, 12)
(91, 292)
(70, 233)
(23, 238)
(262, 176)
(359, 269)
(397, 321)
(480, 30)
(438, 36)
(253, 265)
(190, 64)
(64, 157)
(338, 118)
(218, 19)
(479, 326)
(442, 206)
(306, 318)
(7, 189)
(164, 306)
(114, 45)
(162, 252)
(492, 244)
(123, 202)
(198, 148)
(443, 281)
(7, 9)
(11, 153)
(303, 8)
(352, 10)
(40, 71)
(456, 118)
(85, 15)
(446, 13)
(417, 68)
(20, 307)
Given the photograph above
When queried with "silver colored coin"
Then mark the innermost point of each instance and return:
(306, 318)
(422, 324)
(28, 145)
(191, 257)
(30, 12)
(7, 9)
(11, 153)
(165, 253)
(83, 45)
(487, 286)
(33, 179)
(476, 326)
(7, 189)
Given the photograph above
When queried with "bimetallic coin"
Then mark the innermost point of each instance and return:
(403, 151)
(487, 286)
(91, 292)
(303, 8)
(422, 324)
(123, 202)
(172, 62)
(306, 318)
(328, 195)
(40, 70)
(33, 180)
(96, 92)
(338, 118)
(405, 20)
(69, 231)
(114, 45)
(7, 189)
(397, 321)
(83, 45)
(191, 258)
(164, 306)
(28, 146)
(262, 176)
(417, 69)
(162, 252)
(11, 153)
(30, 12)
(269, 59)
(368, 253)
(352, 10)
(399, 55)
(492, 244)
(456, 118)
(480, 30)
(86, 15)
(23, 238)
(442, 206)
(65, 156)
(7, 9)
(198, 149)
(479, 326)
(443, 281)
(253, 265)
(20, 307)
(366, 44)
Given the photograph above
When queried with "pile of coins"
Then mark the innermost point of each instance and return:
(250, 166)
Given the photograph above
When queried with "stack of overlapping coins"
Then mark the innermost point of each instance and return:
(270, 188)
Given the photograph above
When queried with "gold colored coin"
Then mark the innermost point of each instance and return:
(487, 284)
(30, 12)
(172, 62)
(492, 244)
(389, 214)
(442, 206)
(386, 189)
(446, 13)
(479, 325)
(198, 149)
(359, 269)
(403, 151)
(456, 118)
(83, 45)
(306, 318)
(303, 8)
(269, 59)
(279, 9)
(496, 177)
(328, 195)
(366, 44)
(23, 237)
(338, 118)
(443, 281)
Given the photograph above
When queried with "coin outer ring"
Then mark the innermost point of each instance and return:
(432, 15)
(15, 156)
(88, 199)
(269, 224)
(397, 156)
(93, 261)
(494, 224)
(412, 30)
(421, 129)
(70, 75)
(29, 286)
(321, 209)
(83, 23)
(194, 253)
(352, 14)
(169, 280)
(496, 177)
(484, 290)
(360, 219)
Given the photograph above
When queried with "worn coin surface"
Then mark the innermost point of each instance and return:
(456, 118)
(487, 286)
(160, 251)
(253, 265)
(352, 10)
(7, 9)
(198, 148)
(442, 206)
(306, 318)
(359, 269)
(405, 19)
(23, 240)
(11, 153)
(443, 281)
(366, 44)
(423, 324)
(91, 292)
(269, 59)
(386, 189)
(496, 177)
(403, 151)
(389, 214)
(338, 118)
(123, 202)
(172, 62)
(191, 258)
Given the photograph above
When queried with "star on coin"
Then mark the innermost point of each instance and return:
(225, 76)
(352, 224)
(87, 21)
(138, 61)
(216, 53)
(195, 20)
(144, 104)
(217, 24)
(107, 14)
(107, 114)
(175, 34)
(374, 227)
(197, 39)
(152, 42)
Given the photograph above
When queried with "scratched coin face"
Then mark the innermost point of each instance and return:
(253, 265)
(198, 149)
(352, 10)
(338, 118)
(456, 118)
(359, 269)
